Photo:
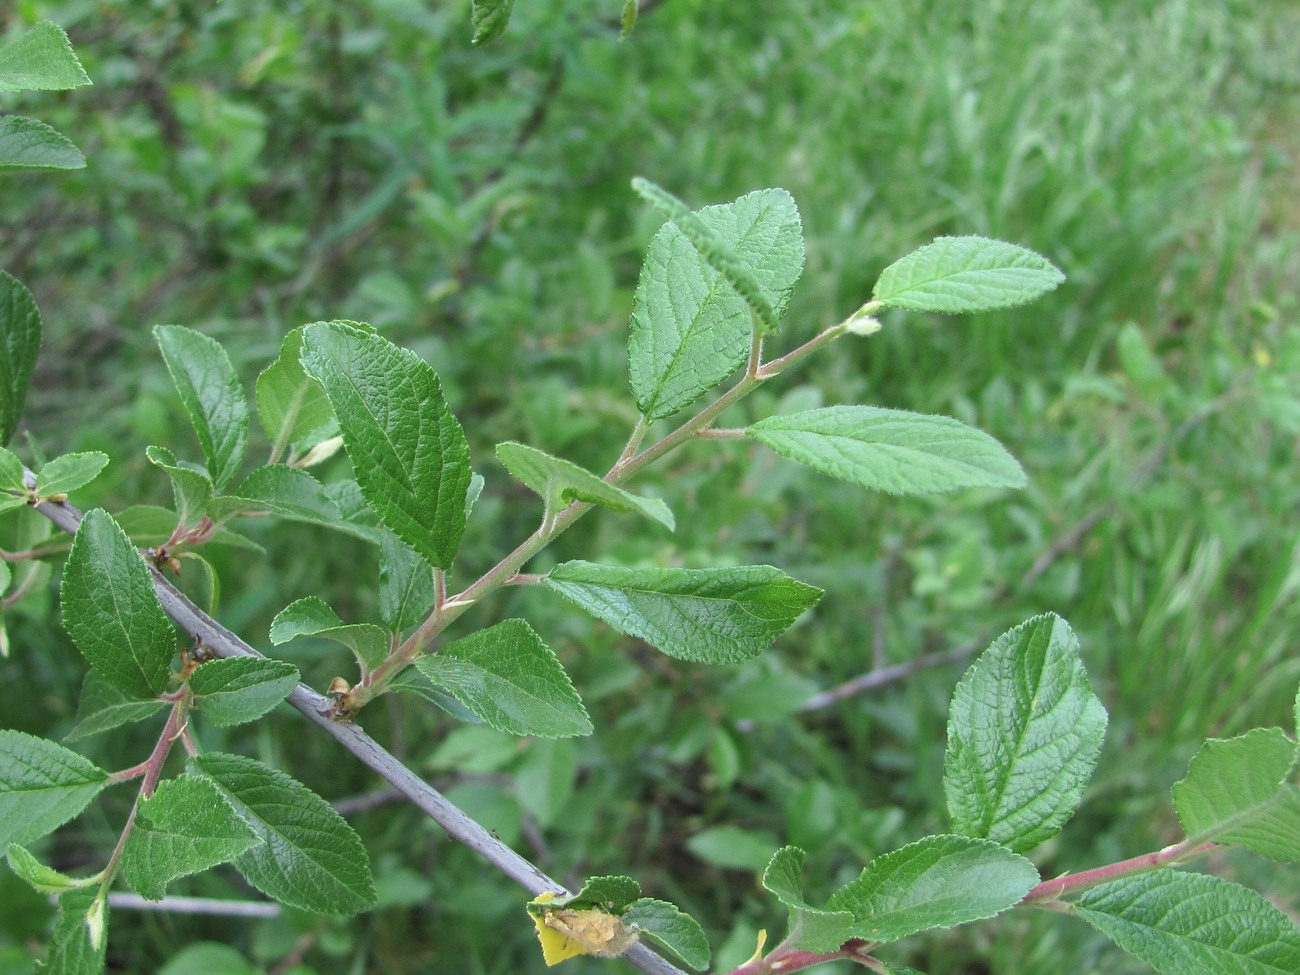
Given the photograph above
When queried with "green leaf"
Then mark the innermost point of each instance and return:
(544, 780)
(965, 274)
(12, 476)
(310, 858)
(185, 827)
(41, 60)
(104, 706)
(210, 958)
(732, 847)
(80, 940)
(212, 395)
(1193, 924)
(291, 406)
(627, 22)
(111, 611)
(811, 929)
(26, 143)
(712, 616)
(690, 328)
(1024, 732)
(235, 690)
(310, 616)
(936, 882)
(891, 450)
(508, 677)
(191, 488)
(405, 584)
(20, 344)
(489, 18)
(357, 517)
(67, 473)
(717, 250)
(289, 493)
(1237, 791)
(680, 933)
(558, 482)
(43, 879)
(408, 453)
(42, 786)
(614, 893)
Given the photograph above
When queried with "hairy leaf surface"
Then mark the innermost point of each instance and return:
(27, 143)
(42, 59)
(966, 274)
(42, 786)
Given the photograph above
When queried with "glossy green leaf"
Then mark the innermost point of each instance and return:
(310, 616)
(192, 488)
(27, 143)
(185, 827)
(20, 344)
(41, 59)
(1193, 924)
(936, 882)
(235, 690)
(558, 482)
(664, 924)
(406, 590)
(104, 706)
(111, 611)
(42, 879)
(284, 492)
(408, 453)
(1238, 791)
(691, 329)
(508, 677)
(490, 18)
(211, 392)
(713, 616)
(1024, 732)
(42, 786)
(811, 928)
(891, 450)
(966, 274)
(67, 473)
(292, 407)
(80, 942)
(309, 858)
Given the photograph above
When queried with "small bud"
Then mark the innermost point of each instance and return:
(864, 325)
(338, 686)
(321, 452)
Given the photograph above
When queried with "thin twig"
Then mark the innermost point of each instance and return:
(194, 905)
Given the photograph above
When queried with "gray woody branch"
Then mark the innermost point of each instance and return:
(315, 707)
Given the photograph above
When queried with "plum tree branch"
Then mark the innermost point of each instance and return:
(316, 708)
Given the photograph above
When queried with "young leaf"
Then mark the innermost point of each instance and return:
(43, 879)
(147, 524)
(235, 690)
(104, 706)
(212, 395)
(26, 143)
(891, 450)
(41, 60)
(309, 858)
(614, 893)
(680, 933)
(79, 942)
(408, 452)
(20, 344)
(936, 882)
(1193, 924)
(966, 274)
(185, 827)
(310, 616)
(1237, 791)
(12, 477)
(508, 677)
(293, 409)
(690, 328)
(191, 488)
(712, 616)
(69, 472)
(285, 492)
(489, 18)
(1024, 732)
(111, 611)
(811, 929)
(405, 584)
(42, 786)
(558, 482)
(717, 251)
(627, 22)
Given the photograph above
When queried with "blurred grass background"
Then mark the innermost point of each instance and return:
(256, 166)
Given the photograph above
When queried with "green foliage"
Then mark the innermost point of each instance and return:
(42, 59)
(965, 274)
(237, 690)
(311, 617)
(20, 329)
(42, 786)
